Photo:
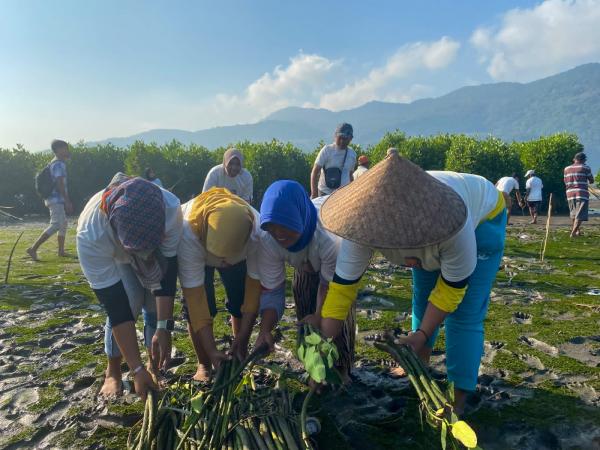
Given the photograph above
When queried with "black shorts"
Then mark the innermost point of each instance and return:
(534, 206)
(234, 280)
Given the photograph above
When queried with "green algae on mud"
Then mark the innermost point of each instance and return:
(551, 293)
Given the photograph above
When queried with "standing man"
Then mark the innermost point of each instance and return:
(58, 203)
(577, 176)
(231, 175)
(363, 166)
(533, 196)
(334, 163)
(506, 185)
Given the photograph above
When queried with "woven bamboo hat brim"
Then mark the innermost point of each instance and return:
(395, 205)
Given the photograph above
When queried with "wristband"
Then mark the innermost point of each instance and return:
(168, 325)
(424, 334)
(137, 370)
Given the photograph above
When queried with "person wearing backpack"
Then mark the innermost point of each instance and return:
(51, 184)
(334, 164)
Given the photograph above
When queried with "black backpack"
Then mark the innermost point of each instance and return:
(43, 182)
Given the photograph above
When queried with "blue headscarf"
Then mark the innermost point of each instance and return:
(286, 203)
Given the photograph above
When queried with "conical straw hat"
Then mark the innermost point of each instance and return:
(397, 205)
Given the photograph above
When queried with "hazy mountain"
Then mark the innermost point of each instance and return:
(569, 101)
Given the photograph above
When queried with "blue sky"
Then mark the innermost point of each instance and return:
(97, 69)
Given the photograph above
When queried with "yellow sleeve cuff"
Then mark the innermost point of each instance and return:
(339, 300)
(197, 306)
(251, 296)
(446, 298)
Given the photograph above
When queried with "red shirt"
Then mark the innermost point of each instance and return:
(577, 177)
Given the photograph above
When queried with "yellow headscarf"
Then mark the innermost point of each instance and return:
(222, 221)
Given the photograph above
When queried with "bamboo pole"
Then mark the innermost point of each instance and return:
(547, 228)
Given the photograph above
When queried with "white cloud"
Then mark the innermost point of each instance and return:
(302, 82)
(531, 43)
(381, 82)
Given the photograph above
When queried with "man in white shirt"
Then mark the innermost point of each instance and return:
(363, 166)
(506, 185)
(533, 196)
(231, 175)
(334, 164)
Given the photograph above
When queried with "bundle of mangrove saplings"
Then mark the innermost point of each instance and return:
(232, 414)
(436, 405)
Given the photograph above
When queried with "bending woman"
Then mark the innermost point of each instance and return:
(127, 238)
(295, 236)
(220, 231)
(449, 228)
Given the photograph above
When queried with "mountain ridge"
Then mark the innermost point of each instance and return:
(568, 101)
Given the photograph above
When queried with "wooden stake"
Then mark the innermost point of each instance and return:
(547, 227)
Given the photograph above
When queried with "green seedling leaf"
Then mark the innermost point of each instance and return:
(301, 352)
(312, 339)
(197, 403)
(463, 433)
(330, 361)
(444, 434)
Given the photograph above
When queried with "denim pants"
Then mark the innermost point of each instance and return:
(464, 327)
(140, 300)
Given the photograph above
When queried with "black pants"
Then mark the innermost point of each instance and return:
(234, 280)
(305, 287)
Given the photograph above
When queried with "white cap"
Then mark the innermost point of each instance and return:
(530, 172)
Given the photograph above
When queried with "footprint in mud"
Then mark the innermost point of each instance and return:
(522, 318)
(370, 314)
(532, 361)
(586, 393)
(373, 337)
(496, 345)
(489, 351)
(79, 384)
(539, 345)
(583, 349)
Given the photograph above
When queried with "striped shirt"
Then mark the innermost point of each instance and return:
(577, 177)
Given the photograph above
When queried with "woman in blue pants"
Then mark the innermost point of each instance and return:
(449, 228)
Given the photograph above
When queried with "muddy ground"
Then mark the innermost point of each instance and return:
(539, 386)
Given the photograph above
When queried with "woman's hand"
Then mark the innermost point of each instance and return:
(265, 337)
(161, 349)
(143, 382)
(217, 357)
(312, 319)
(239, 348)
(415, 339)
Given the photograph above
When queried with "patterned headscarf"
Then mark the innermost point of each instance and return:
(136, 211)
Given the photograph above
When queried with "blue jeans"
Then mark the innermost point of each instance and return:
(140, 300)
(464, 327)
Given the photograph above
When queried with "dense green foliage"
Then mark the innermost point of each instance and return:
(549, 155)
(490, 158)
(183, 169)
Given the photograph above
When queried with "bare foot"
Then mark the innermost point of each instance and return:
(398, 372)
(112, 387)
(32, 254)
(63, 255)
(202, 374)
